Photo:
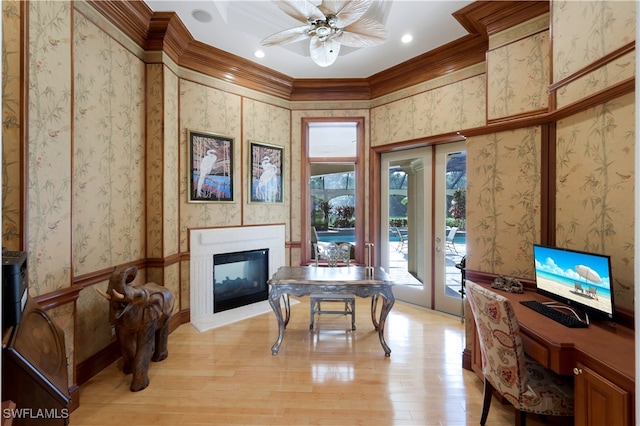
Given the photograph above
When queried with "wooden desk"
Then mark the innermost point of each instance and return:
(304, 280)
(600, 357)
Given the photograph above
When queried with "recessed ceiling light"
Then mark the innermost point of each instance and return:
(201, 15)
(259, 54)
(407, 38)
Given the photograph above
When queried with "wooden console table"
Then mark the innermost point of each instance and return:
(305, 280)
(600, 357)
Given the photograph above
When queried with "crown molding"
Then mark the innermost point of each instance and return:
(167, 33)
(486, 18)
(164, 31)
(333, 89)
(452, 57)
(130, 17)
(233, 69)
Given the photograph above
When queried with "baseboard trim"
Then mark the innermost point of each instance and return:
(97, 362)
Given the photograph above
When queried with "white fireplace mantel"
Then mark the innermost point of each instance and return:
(204, 243)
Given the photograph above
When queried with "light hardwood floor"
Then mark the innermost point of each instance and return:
(329, 376)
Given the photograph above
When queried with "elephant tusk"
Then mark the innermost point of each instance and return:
(103, 294)
(117, 295)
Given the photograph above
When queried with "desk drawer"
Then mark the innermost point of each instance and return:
(535, 350)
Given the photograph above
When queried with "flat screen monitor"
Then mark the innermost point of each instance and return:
(575, 278)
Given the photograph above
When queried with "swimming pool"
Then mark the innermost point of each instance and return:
(349, 237)
(335, 236)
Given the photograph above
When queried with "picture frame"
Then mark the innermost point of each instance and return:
(266, 173)
(210, 168)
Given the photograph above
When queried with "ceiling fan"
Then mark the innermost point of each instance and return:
(329, 25)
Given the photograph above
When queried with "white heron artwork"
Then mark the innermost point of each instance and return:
(206, 165)
(268, 187)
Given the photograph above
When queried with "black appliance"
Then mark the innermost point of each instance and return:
(14, 286)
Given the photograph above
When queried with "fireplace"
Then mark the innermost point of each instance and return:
(204, 244)
(240, 278)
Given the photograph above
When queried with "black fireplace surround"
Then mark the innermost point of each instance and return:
(240, 278)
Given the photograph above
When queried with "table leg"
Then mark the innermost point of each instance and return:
(287, 309)
(274, 301)
(387, 304)
(374, 306)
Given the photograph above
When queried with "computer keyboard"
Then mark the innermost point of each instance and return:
(564, 319)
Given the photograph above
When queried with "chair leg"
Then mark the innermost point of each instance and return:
(521, 418)
(353, 315)
(312, 309)
(486, 401)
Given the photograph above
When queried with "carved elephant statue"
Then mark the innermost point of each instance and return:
(140, 315)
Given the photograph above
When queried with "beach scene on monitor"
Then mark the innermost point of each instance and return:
(581, 277)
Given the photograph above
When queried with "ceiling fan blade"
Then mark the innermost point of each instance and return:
(347, 11)
(324, 53)
(302, 10)
(364, 33)
(287, 36)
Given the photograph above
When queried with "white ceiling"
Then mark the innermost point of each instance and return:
(238, 26)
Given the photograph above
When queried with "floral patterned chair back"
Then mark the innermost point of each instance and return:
(526, 384)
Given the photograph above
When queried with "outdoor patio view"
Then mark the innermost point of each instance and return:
(333, 216)
(332, 205)
(456, 193)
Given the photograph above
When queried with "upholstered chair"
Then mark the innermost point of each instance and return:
(526, 384)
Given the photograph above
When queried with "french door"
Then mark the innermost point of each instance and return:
(418, 187)
(450, 184)
(406, 211)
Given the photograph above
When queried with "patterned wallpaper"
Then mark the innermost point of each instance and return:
(613, 72)
(584, 32)
(11, 107)
(162, 179)
(171, 157)
(108, 156)
(49, 193)
(48, 188)
(595, 177)
(459, 105)
(518, 77)
(155, 98)
(503, 201)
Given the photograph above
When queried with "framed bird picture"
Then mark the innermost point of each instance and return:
(265, 167)
(210, 167)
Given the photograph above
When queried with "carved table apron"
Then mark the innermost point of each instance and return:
(304, 280)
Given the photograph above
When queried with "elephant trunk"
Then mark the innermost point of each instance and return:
(119, 284)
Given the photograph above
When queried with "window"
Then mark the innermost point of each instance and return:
(334, 195)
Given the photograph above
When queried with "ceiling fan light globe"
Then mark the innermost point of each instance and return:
(323, 31)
